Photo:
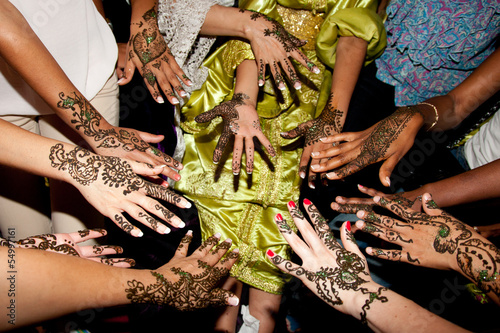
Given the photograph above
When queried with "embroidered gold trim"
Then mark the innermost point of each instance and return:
(302, 23)
(234, 53)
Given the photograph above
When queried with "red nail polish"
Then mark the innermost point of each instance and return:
(348, 226)
(279, 217)
(270, 253)
(291, 204)
(307, 202)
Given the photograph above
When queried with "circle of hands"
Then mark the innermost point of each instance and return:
(148, 52)
(329, 122)
(335, 273)
(239, 119)
(427, 235)
(67, 243)
(117, 188)
(189, 282)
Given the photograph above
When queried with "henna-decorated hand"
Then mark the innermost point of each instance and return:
(353, 205)
(389, 140)
(148, 52)
(272, 46)
(189, 283)
(338, 275)
(68, 244)
(112, 186)
(241, 120)
(116, 141)
(434, 239)
(329, 122)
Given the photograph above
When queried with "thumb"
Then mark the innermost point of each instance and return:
(386, 170)
(151, 138)
(128, 73)
(145, 169)
(206, 116)
(220, 296)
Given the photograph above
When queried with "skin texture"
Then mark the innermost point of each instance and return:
(68, 244)
(52, 284)
(339, 276)
(352, 154)
(434, 239)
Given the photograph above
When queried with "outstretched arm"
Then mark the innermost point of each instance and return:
(339, 275)
(22, 49)
(48, 285)
(391, 138)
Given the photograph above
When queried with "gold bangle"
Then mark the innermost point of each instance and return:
(435, 112)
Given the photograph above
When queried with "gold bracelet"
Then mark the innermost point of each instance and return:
(435, 112)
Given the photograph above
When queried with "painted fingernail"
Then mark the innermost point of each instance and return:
(388, 181)
(270, 253)
(189, 83)
(314, 153)
(307, 202)
(281, 86)
(302, 175)
(166, 231)
(261, 83)
(360, 186)
(217, 235)
(188, 204)
(311, 185)
(181, 224)
(121, 80)
(297, 85)
(279, 217)
(331, 175)
(348, 226)
(316, 70)
(229, 240)
(183, 93)
(233, 301)
(137, 232)
(160, 100)
(175, 101)
(315, 166)
(291, 203)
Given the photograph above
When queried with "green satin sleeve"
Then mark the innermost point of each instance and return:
(363, 23)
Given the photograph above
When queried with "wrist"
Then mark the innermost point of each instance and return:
(362, 301)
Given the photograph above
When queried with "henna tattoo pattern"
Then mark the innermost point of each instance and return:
(191, 291)
(328, 123)
(229, 114)
(148, 45)
(385, 133)
(48, 242)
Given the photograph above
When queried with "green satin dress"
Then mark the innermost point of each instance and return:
(243, 207)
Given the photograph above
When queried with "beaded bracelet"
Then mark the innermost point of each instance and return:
(435, 112)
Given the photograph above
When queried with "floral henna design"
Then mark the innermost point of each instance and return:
(229, 114)
(328, 123)
(190, 292)
(147, 44)
(322, 229)
(376, 145)
(123, 224)
(48, 242)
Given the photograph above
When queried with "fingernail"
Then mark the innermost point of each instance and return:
(233, 301)
(360, 186)
(261, 83)
(217, 235)
(314, 153)
(316, 70)
(302, 175)
(121, 80)
(297, 85)
(166, 231)
(189, 232)
(330, 175)
(279, 217)
(388, 181)
(270, 253)
(137, 232)
(315, 166)
(281, 86)
(322, 139)
(291, 204)
(348, 226)
(307, 202)
(189, 83)
(175, 101)
(376, 198)
(229, 240)
(181, 224)
(369, 250)
(183, 94)
(311, 185)
(188, 204)
(160, 100)
(236, 173)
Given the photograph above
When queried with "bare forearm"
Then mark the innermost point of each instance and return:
(246, 80)
(351, 52)
(48, 285)
(474, 185)
(226, 21)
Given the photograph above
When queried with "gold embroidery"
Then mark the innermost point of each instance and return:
(234, 53)
(302, 23)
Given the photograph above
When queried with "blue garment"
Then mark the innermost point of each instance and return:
(433, 45)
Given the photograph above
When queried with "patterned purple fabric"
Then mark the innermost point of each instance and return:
(434, 45)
